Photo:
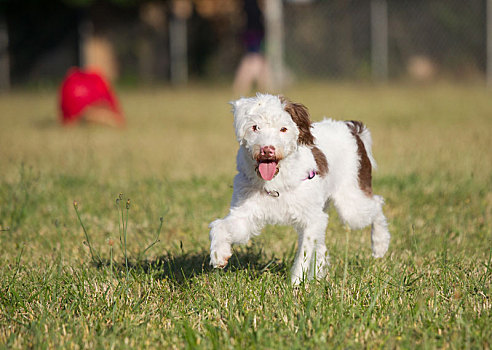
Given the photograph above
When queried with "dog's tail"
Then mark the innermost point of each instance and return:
(358, 129)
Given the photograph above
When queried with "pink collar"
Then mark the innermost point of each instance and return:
(311, 175)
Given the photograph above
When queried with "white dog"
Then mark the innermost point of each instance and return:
(289, 170)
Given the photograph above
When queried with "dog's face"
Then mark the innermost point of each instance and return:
(270, 128)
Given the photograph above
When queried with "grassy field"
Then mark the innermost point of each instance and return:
(175, 161)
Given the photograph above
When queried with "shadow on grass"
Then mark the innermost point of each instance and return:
(183, 267)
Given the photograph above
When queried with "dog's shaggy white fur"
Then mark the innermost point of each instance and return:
(289, 170)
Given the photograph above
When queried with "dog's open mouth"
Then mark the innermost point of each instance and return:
(267, 169)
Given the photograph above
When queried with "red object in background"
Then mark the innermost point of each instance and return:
(82, 89)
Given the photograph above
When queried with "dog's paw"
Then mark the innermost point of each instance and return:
(379, 249)
(220, 257)
(380, 240)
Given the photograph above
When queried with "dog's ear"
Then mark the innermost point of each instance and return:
(236, 104)
(239, 109)
(300, 116)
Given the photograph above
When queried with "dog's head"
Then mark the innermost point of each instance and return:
(271, 128)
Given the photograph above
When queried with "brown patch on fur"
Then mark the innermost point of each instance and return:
(365, 169)
(355, 126)
(300, 116)
(321, 162)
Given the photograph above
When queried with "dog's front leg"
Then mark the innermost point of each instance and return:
(311, 257)
(220, 243)
(227, 231)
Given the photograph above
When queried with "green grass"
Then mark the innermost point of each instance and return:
(176, 161)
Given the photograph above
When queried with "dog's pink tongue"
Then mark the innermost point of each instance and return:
(267, 170)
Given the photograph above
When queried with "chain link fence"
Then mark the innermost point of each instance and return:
(425, 38)
(333, 39)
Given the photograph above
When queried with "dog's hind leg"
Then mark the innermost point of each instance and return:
(311, 257)
(380, 236)
(358, 210)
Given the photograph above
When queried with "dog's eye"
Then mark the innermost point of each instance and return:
(255, 128)
(284, 129)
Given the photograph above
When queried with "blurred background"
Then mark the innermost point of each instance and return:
(417, 72)
(175, 42)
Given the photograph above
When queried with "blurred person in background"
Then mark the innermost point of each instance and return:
(253, 67)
